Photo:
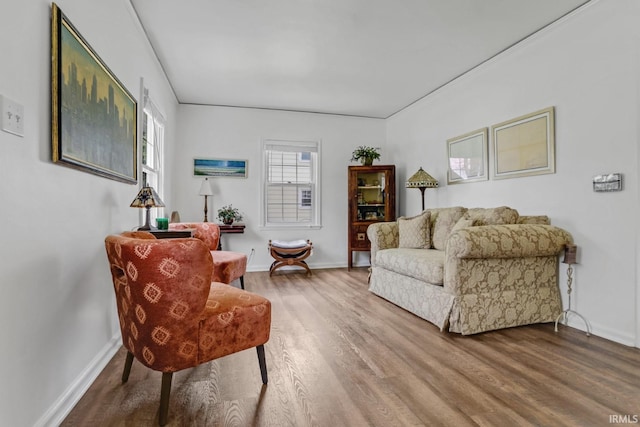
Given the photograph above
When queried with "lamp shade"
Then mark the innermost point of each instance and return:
(421, 179)
(147, 198)
(205, 188)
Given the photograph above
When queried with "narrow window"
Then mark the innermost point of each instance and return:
(290, 186)
(152, 147)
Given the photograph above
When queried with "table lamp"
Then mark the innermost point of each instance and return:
(147, 198)
(421, 180)
(205, 190)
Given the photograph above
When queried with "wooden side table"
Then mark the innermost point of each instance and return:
(171, 234)
(229, 229)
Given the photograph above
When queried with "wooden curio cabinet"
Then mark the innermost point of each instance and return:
(372, 198)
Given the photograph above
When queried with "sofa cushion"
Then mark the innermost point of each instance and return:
(462, 223)
(426, 265)
(492, 216)
(442, 221)
(414, 232)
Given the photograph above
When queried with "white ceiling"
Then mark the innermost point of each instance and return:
(354, 57)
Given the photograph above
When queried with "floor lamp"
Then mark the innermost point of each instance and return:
(421, 180)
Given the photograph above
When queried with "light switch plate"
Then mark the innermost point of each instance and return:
(12, 116)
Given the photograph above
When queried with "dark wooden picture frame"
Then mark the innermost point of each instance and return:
(93, 116)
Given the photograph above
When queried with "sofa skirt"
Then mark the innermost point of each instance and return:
(471, 313)
(429, 302)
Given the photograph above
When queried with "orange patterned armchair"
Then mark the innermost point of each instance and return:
(171, 316)
(227, 266)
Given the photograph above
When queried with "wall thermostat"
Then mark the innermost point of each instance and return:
(607, 182)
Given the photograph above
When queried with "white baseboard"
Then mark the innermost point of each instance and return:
(603, 332)
(613, 335)
(65, 403)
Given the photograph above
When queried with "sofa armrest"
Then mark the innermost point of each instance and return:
(507, 241)
(493, 259)
(382, 235)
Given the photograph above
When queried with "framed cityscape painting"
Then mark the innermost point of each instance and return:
(93, 116)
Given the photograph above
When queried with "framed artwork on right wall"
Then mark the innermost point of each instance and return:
(467, 156)
(524, 146)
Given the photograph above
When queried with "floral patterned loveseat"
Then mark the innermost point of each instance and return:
(469, 270)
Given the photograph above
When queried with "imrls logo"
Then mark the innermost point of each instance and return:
(624, 419)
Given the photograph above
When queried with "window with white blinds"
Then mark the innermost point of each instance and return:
(291, 187)
(153, 124)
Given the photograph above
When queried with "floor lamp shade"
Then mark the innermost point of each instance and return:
(421, 180)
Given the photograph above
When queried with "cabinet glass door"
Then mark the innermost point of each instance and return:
(371, 196)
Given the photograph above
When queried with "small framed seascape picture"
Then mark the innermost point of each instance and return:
(230, 168)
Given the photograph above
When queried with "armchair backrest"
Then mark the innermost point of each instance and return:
(161, 289)
(208, 232)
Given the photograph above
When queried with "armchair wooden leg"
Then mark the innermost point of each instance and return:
(164, 397)
(127, 367)
(242, 282)
(263, 363)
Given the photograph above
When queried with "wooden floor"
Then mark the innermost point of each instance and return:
(341, 356)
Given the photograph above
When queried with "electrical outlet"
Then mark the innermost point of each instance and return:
(12, 116)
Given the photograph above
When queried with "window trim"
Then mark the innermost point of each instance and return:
(291, 145)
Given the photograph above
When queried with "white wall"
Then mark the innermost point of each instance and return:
(57, 312)
(587, 68)
(237, 133)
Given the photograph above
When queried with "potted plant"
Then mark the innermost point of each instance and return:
(365, 154)
(228, 214)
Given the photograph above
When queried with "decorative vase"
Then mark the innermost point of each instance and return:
(367, 161)
(227, 221)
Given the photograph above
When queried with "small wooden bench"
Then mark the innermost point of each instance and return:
(290, 253)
